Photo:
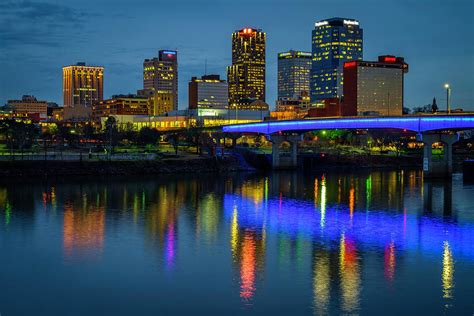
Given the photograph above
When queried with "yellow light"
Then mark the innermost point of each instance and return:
(446, 86)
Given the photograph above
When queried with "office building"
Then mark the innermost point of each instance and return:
(83, 85)
(246, 75)
(28, 105)
(160, 75)
(374, 87)
(208, 92)
(161, 102)
(334, 41)
(294, 69)
(122, 105)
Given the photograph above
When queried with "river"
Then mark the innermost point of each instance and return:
(368, 242)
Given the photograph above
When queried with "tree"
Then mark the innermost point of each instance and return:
(148, 136)
(173, 139)
(111, 132)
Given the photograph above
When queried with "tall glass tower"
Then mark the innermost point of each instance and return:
(246, 76)
(334, 42)
(293, 74)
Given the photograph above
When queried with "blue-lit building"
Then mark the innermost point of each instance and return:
(334, 41)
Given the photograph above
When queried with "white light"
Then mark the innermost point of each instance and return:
(350, 22)
(318, 24)
(446, 86)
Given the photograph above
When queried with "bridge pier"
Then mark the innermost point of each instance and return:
(279, 161)
(438, 168)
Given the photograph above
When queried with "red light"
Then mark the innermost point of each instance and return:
(350, 64)
(388, 59)
(170, 55)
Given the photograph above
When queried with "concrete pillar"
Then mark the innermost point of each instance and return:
(441, 168)
(279, 162)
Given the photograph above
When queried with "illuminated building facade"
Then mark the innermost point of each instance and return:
(374, 88)
(28, 105)
(161, 102)
(334, 41)
(121, 104)
(83, 85)
(160, 75)
(294, 69)
(292, 108)
(208, 92)
(246, 76)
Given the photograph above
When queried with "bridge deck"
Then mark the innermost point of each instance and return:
(419, 124)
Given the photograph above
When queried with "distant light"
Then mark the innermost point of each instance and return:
(350, 64)
(389, 59)
(351, 22)
(446, 86)
(318, 24)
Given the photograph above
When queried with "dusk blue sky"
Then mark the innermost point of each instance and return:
(37, 38)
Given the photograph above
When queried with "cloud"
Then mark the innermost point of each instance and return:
(33, 23)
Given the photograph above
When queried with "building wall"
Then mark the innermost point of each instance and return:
(293, 74)
(374, 88)
(334, 41)
(246, 76)
(208, 92)
(379, 91)
(121, 106)
(83, 85)
(29, 105)
(161, 103)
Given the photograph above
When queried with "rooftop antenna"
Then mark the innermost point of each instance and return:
(205, 67)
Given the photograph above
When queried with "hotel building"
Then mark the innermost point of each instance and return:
(83, 85)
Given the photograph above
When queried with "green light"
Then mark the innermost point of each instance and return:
(8, 211)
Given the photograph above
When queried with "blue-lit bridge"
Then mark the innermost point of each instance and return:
(430, 128)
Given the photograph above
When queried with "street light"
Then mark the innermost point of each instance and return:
(448, 97)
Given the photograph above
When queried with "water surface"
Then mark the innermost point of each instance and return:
(369, 243)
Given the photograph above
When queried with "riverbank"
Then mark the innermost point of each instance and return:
(186, 164)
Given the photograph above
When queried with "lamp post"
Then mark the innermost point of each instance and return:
(448, 97)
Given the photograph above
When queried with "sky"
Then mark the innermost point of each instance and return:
(38, 37)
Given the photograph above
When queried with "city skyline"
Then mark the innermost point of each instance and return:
(121, 49)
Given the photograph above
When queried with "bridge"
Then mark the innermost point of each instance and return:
(430, 129)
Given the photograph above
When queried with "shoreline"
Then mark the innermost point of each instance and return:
(189, 164)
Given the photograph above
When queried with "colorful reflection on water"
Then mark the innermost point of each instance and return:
(281, 243)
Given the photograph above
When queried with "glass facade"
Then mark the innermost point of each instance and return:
(246, 76)
(294, 69)
(334, 41)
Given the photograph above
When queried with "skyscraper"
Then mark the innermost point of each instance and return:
(160, 75)
(293, 74)
(334, 42)
(208, 92)
(374, 87)
(83, 85)
(246, 76)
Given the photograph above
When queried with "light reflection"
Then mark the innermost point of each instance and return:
(323, 202)
(351, 201)
(234, 232)
(448, 272)
(389, 261)
(321, 284)
(349, 275)
(83, 231)
(247, 267)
